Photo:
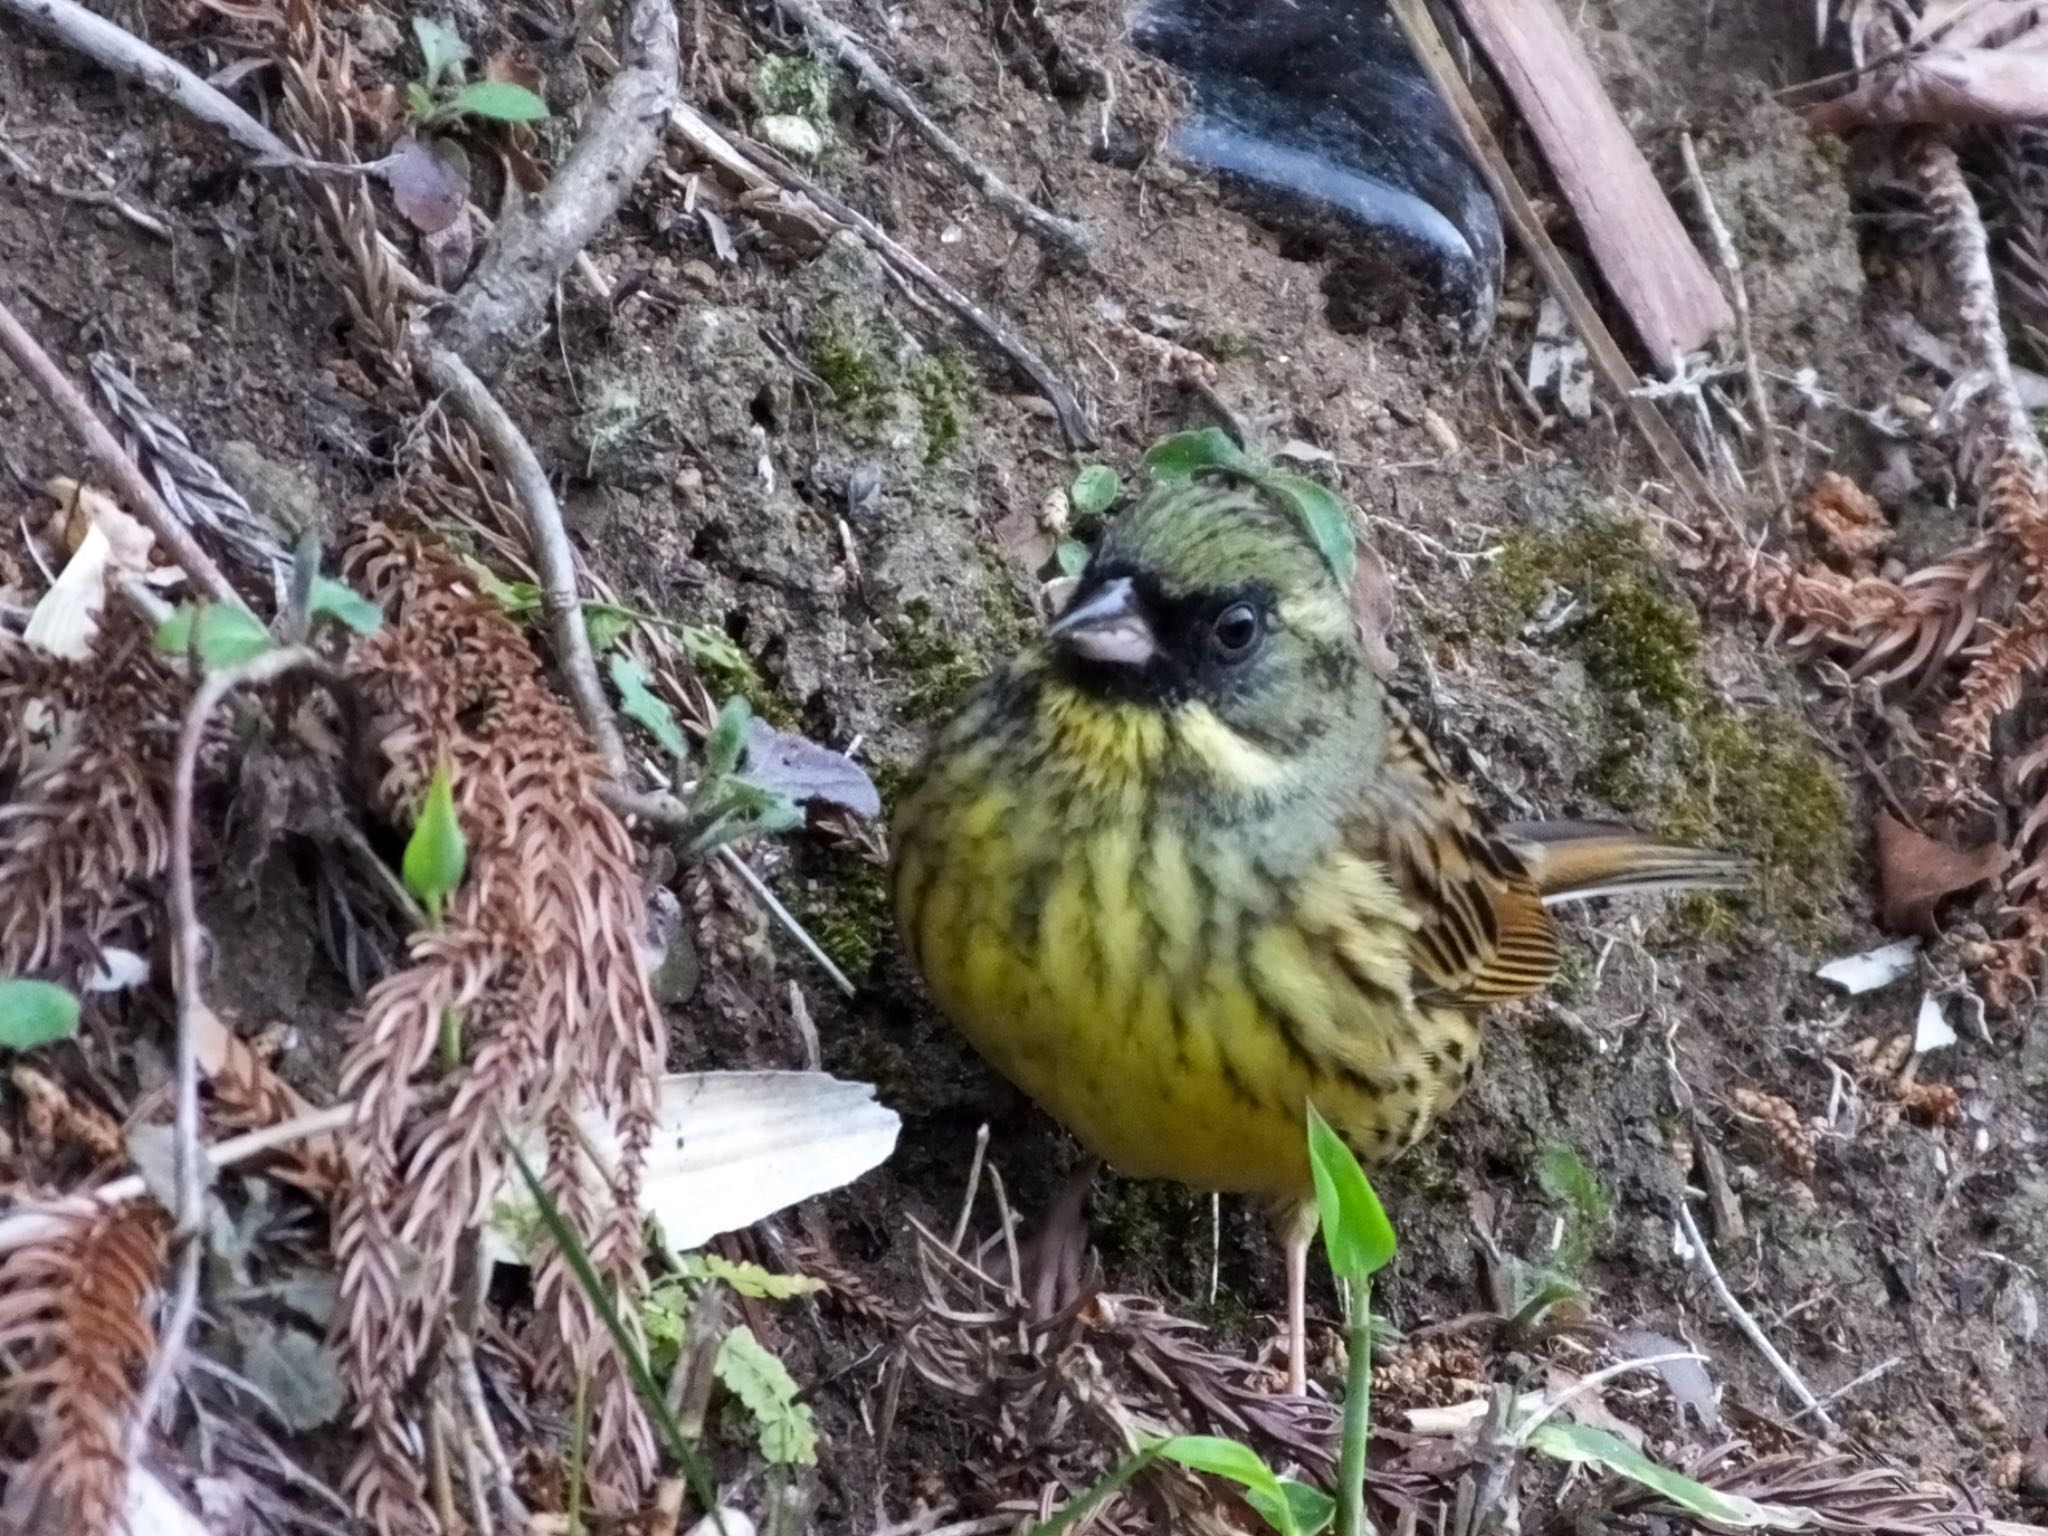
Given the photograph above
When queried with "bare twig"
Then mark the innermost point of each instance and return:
(553, 556)
(113, 48)
(1751, 1330)
(1738, 297)
(69, 402)
(1069, 238)
(535, 244)
(188, 942)
(784, 916)
(906, 264)
(1616, 371)
(91, 197)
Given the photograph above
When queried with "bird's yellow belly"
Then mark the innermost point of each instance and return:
(1178, 1015)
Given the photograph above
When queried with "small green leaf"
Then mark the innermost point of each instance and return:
(1356, 1232)
(1583, 1443)
(748, 1279)
(1093, 490)
(1304, 1509)
(1183, 455)
(219, 634)
(713, 651)
(606, 625)
(441, 49)
(1072, 556)
(750, 1370)
(437, 852)
(343, 603)
(728, 738)
(1239, 1464)
(499, 100)
(174, 635)
(643, 704)
(34, 1013)
(419, 101)
(518, 598)
(1327, 520)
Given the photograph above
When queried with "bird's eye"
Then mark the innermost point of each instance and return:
(1236, 632)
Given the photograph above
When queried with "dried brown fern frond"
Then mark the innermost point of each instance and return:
(76, 1310)
(1997, 677)
(538, 960)
(85, 821)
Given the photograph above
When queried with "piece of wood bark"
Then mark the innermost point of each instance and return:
(1649, 262)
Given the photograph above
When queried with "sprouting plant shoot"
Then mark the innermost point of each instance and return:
(437, 853)
(443, 92)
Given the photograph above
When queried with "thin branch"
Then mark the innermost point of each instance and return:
(190, 1164)
(1072, 240)
(1751, 1330)
(121, 51)
(69, 402)
(784, 916)
(554, 557)
(1738, 298)
(43, 1223)
(535, 244)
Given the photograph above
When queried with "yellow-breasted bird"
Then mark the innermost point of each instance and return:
(1182, 867)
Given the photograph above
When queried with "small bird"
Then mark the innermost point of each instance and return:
(1182, 868)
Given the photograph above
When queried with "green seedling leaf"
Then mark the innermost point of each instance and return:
(343, 603)
(1072, 556)
(1583, 1443)
(751, 1372)
(663, 1319)
(35, 1013)
(1356, 1232)
(1327, 520)
(643, 704)
(1185, 454)
(500, 101)
(605, 625)
(517, 598)
(1093, 490)
(419, 101)
(713, 650)
(437, 853)
(1239, 1464)
(728, 738)
(1301, 1508)
(441, 50)
(748, 1279)
(219, 634)
(652, 1397)
(1108, 1487)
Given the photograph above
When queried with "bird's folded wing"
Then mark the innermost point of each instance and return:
(1484, 936)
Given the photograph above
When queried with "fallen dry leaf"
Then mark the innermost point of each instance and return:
(1916, 873)
(1846, 521)
(1965, 61)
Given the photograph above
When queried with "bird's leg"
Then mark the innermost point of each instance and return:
(1052, 1269)
(1297, 1308)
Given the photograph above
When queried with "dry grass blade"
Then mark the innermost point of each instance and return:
(75, 1309)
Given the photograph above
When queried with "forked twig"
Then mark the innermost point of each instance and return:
(1069, 238)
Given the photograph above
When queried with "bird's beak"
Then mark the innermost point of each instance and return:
(1106, 625)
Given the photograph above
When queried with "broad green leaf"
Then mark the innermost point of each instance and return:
(1583, 1443)
(643, 704)
(437, 852)
(1327, 520)
(499, 100)
(758, 1379)
(1182, 455)
(605, 625)
(441, 49)
(1093, 490)
(34, 1013)
(342, 602)
(1107, 1487)
(1356, 1232)
(728, 738)
(748, 1279)
(1302, 1508)
(174, 634)
(1072, 556)
(1239, 1464)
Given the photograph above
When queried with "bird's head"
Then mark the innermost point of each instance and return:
(1209, 604)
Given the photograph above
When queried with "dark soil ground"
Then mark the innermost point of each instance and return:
(704, 434)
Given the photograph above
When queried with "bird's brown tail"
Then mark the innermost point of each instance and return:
(1579, 860)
